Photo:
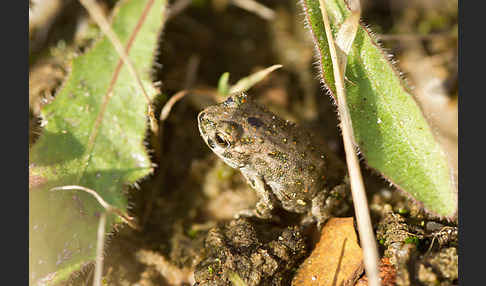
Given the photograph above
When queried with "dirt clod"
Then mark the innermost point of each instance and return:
(257, 252)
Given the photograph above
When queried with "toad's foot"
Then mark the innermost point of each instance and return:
(325, 205)
(249, 213)
(262, 211)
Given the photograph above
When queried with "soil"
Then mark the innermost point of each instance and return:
(186, 207)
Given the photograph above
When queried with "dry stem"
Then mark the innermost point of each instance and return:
(360, 202)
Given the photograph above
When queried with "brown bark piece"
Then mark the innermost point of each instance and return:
(337, 258)
(388, 274)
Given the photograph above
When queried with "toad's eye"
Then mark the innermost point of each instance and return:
(221, 140)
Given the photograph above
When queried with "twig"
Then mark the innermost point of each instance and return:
(42, 15)
(255, 7)
(163, 166)
(168, 106)
(100, 243)
(245, 83)
(157, 141)
(365, 230)
(177, 8)
(192, 68)
(191, 73)
(109, 208)
(96, 13)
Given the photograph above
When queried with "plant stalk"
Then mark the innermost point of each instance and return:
(100, 242)
(365, 229)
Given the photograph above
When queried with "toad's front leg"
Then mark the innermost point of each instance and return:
(267, 200)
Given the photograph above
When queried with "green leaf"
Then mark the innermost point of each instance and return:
(388, 125)
(223, 86)
(93, 137)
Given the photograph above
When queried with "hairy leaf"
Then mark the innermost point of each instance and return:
(388, 125)
(93, 137)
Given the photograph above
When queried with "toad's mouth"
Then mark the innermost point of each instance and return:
(200, 121)
(210, 143)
